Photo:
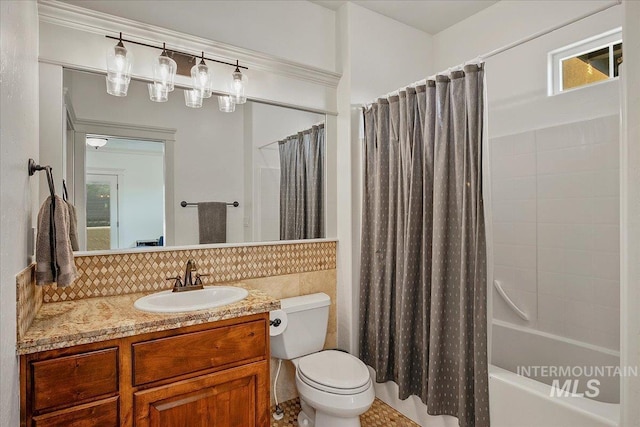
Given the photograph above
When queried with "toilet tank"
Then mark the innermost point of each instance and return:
(306, 330)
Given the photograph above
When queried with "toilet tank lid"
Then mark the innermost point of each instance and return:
(305, 302)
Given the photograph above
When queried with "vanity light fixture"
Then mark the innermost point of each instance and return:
(202, 78)
(193, 98)
(238, 86)
(97, 142)
(119, 62)
(165, 68)
(158, 92)
(226, 104)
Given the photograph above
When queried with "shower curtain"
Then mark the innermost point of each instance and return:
(423, 320)
(302, 185)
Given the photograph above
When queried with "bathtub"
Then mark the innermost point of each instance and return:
(515, 346)
(517, 401)
(521, 401)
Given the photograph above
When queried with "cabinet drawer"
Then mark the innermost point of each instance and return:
(103, 413)
(183, 354)
(72, 379)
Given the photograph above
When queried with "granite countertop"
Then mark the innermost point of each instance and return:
(70, 323)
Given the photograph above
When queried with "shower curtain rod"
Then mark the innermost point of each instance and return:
(482, 58)
(275, 142)
(549, 30)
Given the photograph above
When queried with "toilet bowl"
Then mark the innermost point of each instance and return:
(335, 387)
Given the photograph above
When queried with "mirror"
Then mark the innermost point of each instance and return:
(143, 173)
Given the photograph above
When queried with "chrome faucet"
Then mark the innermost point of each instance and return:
(188, 284)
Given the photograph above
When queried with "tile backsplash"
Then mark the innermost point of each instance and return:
(28, 299)
(125, 273)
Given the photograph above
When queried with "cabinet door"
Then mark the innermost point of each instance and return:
(233, 398)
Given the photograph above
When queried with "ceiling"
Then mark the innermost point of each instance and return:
(430, 16)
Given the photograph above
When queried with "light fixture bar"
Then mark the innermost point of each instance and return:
(177, 51)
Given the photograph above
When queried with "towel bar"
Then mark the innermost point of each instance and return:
(185, 204)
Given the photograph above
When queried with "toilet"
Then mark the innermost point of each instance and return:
(335, 387)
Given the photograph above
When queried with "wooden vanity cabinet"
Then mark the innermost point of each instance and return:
(211, 375)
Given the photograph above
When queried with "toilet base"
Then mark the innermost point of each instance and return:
(304, 420)
(326, 420)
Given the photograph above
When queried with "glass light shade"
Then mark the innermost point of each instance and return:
(226, 104)
(202, 79)
(117, 87)
(97, 142)
(158, 92)
(238, 87)
(119, 63)
(193, 98)
(164, 71)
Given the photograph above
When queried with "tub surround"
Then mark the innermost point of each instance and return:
(71, 323)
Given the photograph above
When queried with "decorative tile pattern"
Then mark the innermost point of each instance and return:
(379, 415)
(118, 274)
(28, 299)
(70, 323)
(382, 415)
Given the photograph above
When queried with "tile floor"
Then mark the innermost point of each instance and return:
(379, 415)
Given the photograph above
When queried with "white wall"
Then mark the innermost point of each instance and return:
(515, 20)
(630, 214)
(299, 31)
(140, 190)
(517, 82)
(208, 150)
(385, 55)
(19, 192)
(517, 79)
(52, 126)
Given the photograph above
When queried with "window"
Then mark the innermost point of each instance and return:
(584, 63)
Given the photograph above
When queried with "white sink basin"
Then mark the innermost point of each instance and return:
(175, 302)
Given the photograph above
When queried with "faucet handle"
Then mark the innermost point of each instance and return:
(177, 281)
(199, 278)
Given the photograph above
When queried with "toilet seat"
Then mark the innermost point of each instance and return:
(334, 372)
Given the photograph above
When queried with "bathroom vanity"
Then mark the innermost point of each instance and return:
(204, 368)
